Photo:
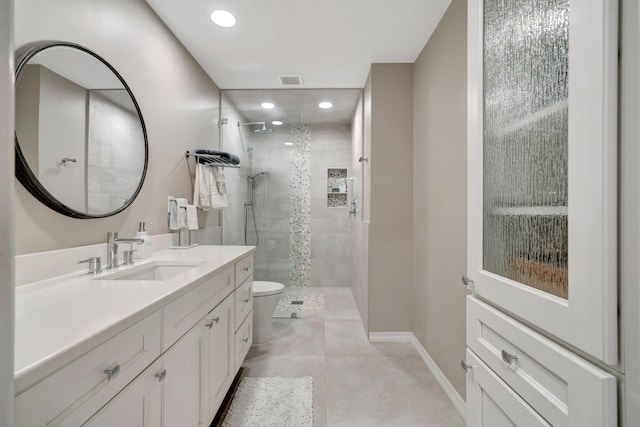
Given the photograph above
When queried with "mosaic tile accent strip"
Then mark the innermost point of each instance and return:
(300, 212)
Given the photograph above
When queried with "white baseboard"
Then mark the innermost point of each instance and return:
(455, 398)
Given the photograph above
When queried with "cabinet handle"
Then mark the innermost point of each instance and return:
(112, 372)
(212, 322)
(245, 339)
(245, 268)
(508, 358)
(465, 367)
(466, 280)
(246, 300)
(160, 375)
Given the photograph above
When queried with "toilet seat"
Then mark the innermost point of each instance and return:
(262, 288)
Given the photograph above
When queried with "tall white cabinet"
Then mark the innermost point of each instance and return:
(542, 321)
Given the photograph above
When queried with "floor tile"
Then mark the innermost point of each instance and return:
(356, 383)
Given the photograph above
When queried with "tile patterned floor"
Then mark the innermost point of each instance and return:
(356, 383)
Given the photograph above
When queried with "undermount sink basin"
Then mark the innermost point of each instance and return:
(156, 271)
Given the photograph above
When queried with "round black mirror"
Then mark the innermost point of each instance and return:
(81, 142)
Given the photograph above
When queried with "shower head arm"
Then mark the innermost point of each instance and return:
(252, 123)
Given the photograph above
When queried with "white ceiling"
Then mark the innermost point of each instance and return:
(331, 43)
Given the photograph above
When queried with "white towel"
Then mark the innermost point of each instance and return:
(182, 212)
(201, 185)
(173, 215)
(218, 198)
(192, 217)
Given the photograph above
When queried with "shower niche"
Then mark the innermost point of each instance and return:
(337, 187)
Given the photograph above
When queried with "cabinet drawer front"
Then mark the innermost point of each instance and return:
(139, 404)
(78, 390)
(492, 403)
(181, 314)
(243, 340)
(244, 269)
(243, 301)
(564, 388)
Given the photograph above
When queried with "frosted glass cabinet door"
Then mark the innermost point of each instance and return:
(542, 165)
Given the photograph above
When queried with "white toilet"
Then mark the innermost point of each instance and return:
(265, 299)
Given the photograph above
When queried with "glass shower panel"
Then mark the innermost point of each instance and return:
(525, 152)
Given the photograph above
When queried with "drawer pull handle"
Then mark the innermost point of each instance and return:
(112, 373)
(160, 375)
(465, 367)
(212, 322)
(245, 268)
(245, 340)
(508, 358)
(246, 300)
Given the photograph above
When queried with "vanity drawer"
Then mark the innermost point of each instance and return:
(75, 392)
(182, 313)
(244, 269)
(562, 387)
(243, 340)
(243, 301)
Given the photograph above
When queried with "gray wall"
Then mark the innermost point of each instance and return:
(439, 195)
(62, 133)
(178, 100)
(330, 227)
(6, 213)
(390, 123)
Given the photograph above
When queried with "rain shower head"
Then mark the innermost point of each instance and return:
(261, 131)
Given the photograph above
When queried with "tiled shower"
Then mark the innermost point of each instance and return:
(301, 207)
(301, 241)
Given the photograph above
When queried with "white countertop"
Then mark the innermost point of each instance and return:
(59, 319)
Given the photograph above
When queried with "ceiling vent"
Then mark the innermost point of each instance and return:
(291, 80)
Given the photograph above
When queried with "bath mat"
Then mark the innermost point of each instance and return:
(310, 302)
(272, 402)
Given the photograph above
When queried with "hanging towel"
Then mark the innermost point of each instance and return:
(192, 217)
(182, 212)
(222, 186)
(206, 194)
(173, 215)
(201, 192)
(218, 198)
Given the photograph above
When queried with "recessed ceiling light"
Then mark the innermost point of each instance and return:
(267, 105)
(288, 143)
(223, 18)
(276, 123)
(325, 105)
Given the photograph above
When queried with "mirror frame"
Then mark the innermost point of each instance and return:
(22, 170)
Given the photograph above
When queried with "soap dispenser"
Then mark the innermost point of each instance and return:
(143, 250)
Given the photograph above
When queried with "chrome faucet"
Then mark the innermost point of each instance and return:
(112, 248)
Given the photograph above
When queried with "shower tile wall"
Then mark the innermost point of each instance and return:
(330, 227)
(271, 205)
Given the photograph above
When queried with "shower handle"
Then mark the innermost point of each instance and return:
(354, 208)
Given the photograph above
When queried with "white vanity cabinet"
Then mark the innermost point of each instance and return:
(542, 212)
(243, 313)
(172, 368)
(74, 393)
